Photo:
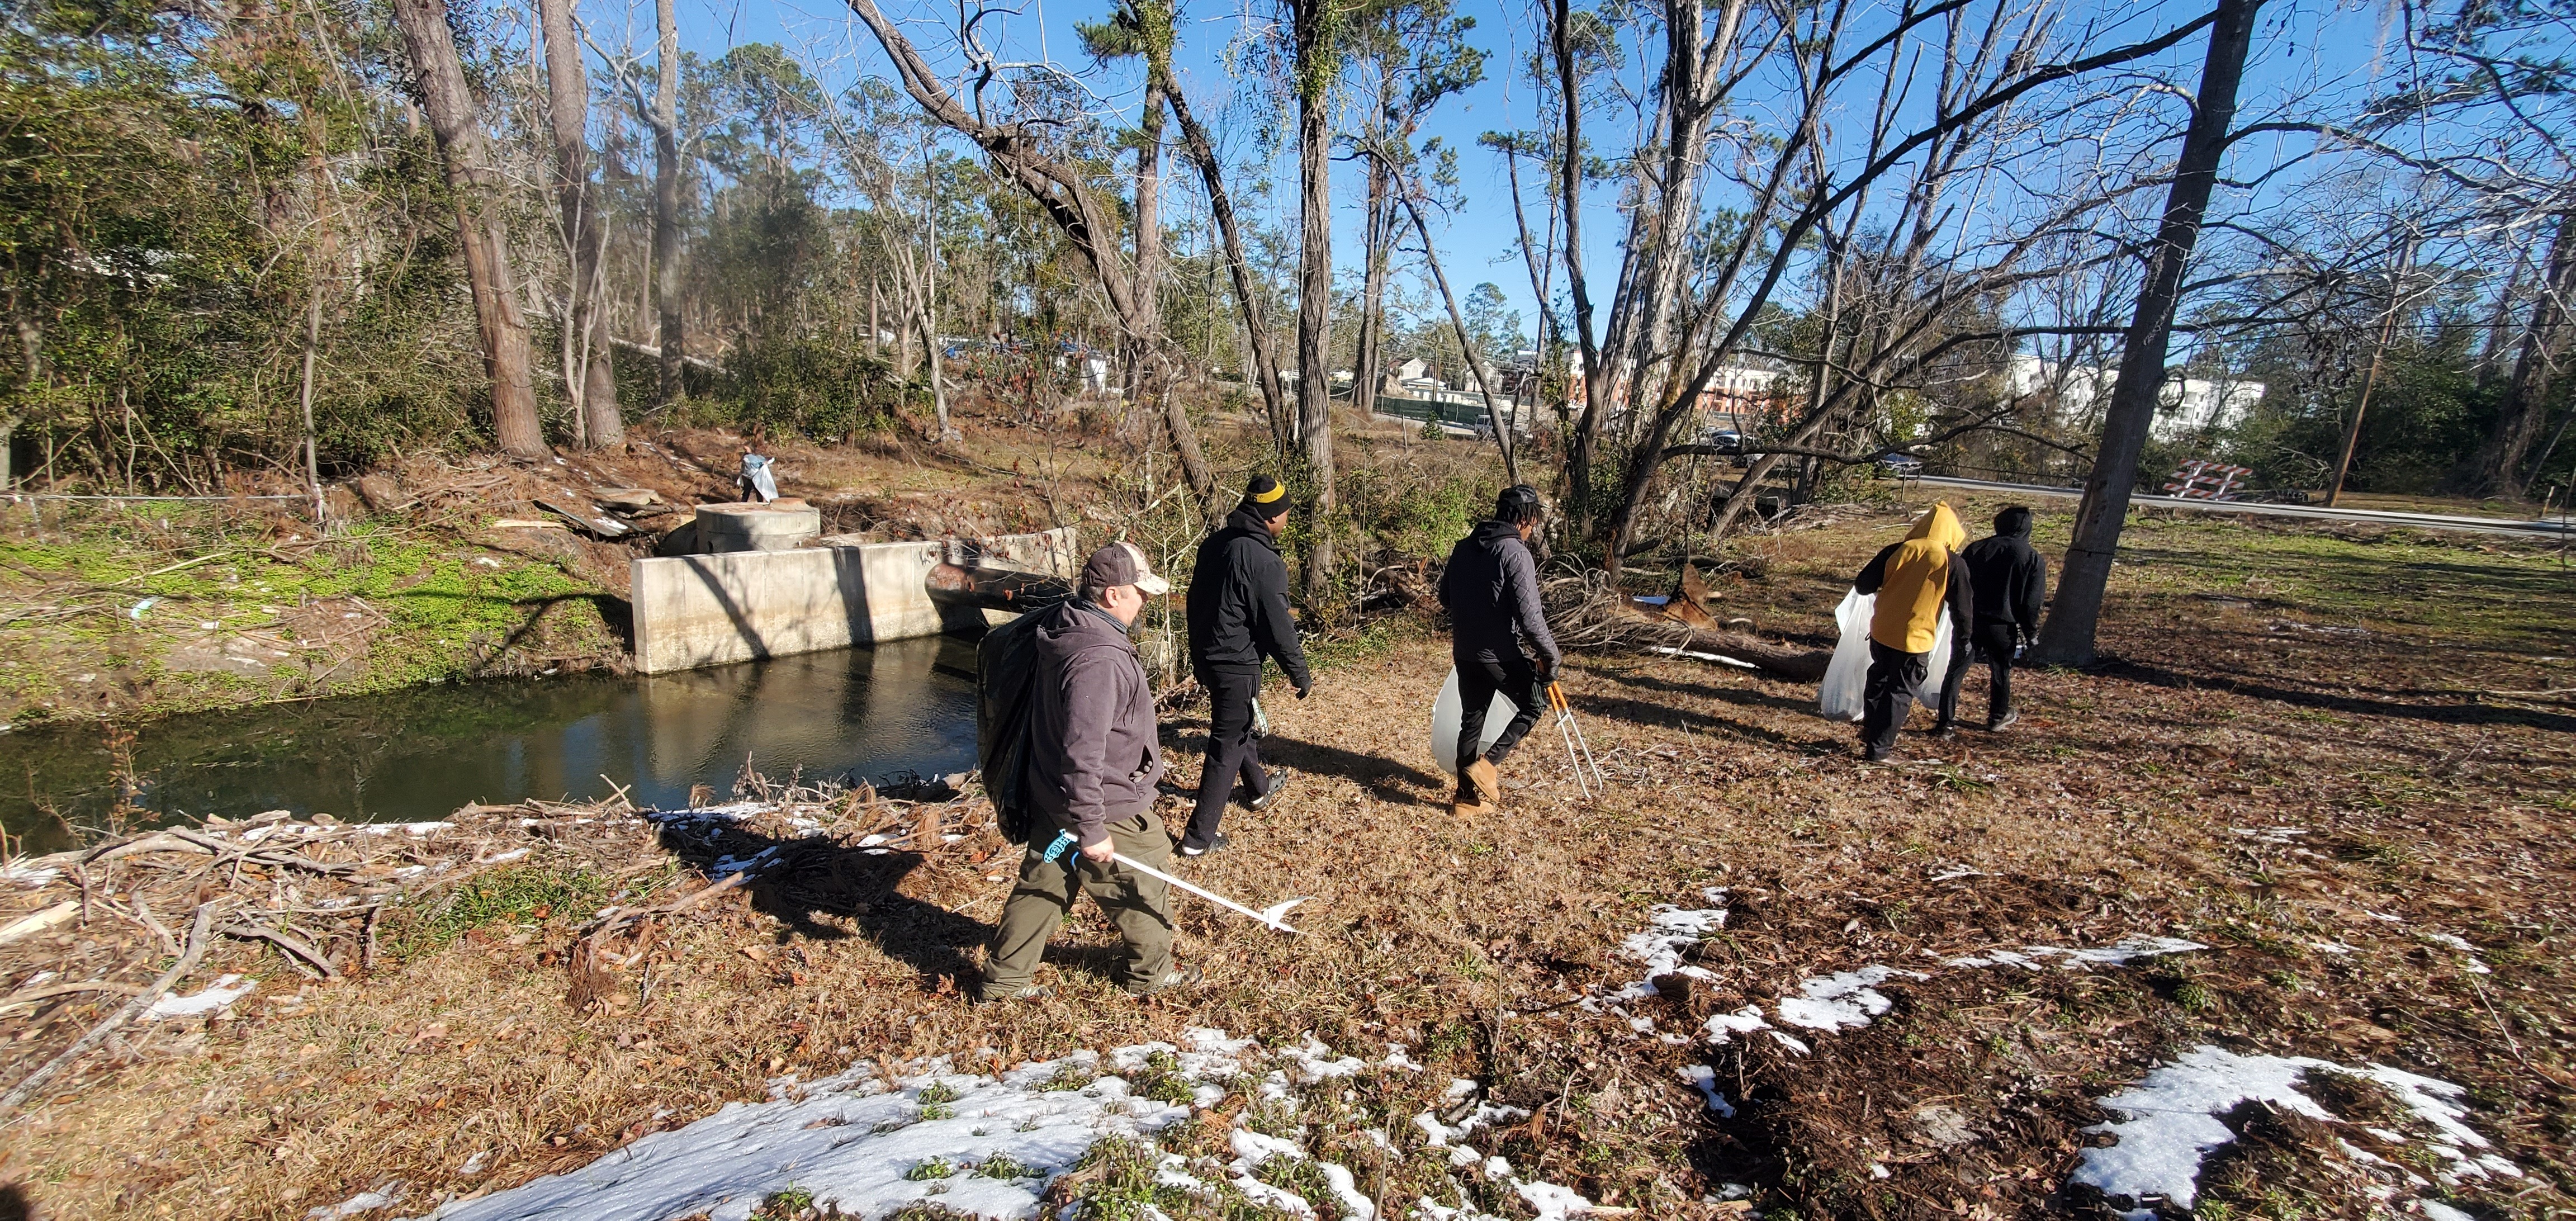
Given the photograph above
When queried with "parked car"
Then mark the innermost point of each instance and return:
(1900, 464)
(1723, 440)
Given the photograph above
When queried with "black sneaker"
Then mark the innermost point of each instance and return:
(1190, 849)
(1881, 756)
(1945, 731)
(1023, 995)
(1180, 977)
(1278, 785)
(2002, 722)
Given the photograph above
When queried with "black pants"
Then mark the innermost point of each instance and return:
(1478, 680)
(1994, 641)
(1889, 694)
(1232, 750)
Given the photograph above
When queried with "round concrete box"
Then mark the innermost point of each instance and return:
(780, 525)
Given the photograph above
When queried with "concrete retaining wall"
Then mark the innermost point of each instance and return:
(704, 610)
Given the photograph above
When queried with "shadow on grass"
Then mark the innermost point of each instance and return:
(807, 880)
(2438, 713)
(1383, 777)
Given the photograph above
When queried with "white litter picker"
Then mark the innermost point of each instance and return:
(1272, 915)
(1572, 731)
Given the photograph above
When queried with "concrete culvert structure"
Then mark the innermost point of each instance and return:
(780, 525)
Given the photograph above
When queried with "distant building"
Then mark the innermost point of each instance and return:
(1738, 397)
(2078, 394)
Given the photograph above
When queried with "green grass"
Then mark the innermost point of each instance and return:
(510, 895)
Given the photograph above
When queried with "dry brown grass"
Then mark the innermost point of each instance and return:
(2107, 812)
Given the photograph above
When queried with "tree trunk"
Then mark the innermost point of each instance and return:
(568, 112)
(2076, 613)
(666, 205)
(1587, 427)
(1238, 267)
(1484, 373)
(1377, 236)
(1149, 241)
(1315, 291)
(477, 185)
(2496, 470)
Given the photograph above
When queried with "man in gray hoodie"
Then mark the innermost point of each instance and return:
(1093, 761)
(1491, 590)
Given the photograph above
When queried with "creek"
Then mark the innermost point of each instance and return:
(893, 711)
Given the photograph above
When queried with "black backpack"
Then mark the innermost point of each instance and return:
(1005, 701)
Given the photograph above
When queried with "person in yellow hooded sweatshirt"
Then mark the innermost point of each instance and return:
(1915, 579)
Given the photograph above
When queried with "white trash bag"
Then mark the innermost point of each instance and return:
(1449, 709)
(1839, 697)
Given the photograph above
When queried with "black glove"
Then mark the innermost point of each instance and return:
(1306, 688)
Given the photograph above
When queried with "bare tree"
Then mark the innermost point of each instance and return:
(1063, 191)
(1247, 295)
(453, 118)
(664, 118)
(588, 369)
(2067, 636)
(1316, 68)
(1804, 190)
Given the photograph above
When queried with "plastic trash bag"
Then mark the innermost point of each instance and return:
(1449, 709)
(1839, 696)
(758, 484)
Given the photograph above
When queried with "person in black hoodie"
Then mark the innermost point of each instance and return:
(1491, 590)
(1238, 613)
(2010, 583)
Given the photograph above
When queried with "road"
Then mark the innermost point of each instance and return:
(2420, 521)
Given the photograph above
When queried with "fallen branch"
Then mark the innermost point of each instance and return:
(19, 1094)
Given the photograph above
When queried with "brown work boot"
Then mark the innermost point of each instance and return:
(1479, 779)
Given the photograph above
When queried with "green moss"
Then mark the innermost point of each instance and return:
(432, 609)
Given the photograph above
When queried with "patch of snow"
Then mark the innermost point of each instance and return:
(2119, 953)
(849, 1139)
(744, 864)
(1669, 931)
(1842, 1000)
(2330, 947)
(29, 876)
(216, 997)
(1552, 1201)
(2438, 1211)
(2172, 1120)
(511, 855)
(1704, 1078)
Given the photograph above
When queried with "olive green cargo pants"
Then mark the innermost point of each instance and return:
(1140, 906)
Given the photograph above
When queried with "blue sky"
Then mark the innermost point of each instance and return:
(2309, 55)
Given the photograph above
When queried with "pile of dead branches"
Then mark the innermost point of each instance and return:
(1591, 615)
(85, 933)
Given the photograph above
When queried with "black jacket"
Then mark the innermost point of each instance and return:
(1239, 603)
(1957, 596)
(2011, 580)
(1491, 590)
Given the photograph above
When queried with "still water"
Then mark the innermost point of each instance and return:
(906, 707)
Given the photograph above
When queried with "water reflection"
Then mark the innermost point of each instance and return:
(906, 706)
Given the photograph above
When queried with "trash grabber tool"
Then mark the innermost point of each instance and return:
(1572, 731)
(1272, 916)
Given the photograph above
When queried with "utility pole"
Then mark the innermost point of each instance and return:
(2369, 380)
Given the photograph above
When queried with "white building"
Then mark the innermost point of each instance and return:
(2188, 406)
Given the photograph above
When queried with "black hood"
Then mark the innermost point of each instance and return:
(1495, 530)
(1242, 519)
(2013, 522)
